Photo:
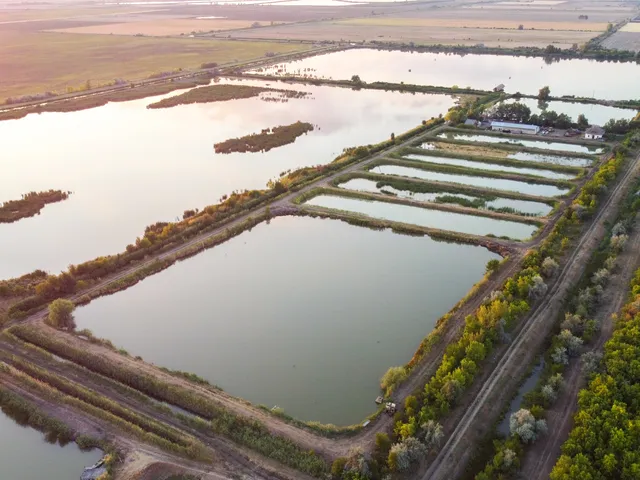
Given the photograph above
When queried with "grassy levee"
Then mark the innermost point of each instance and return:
(75, 390)
(54, 430)
(86, 401)
(446, 207)
(97, 100)
(164, 243)
(473, 172)
(246, 432)
(418, 185)
(220, 93)
(578, 171)
(386, 86)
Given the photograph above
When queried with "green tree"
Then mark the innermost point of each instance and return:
(544, 93)
(582, 121)
(383, 445)
(356, 79)
(338, 467)
(61, 314)
(492, 265)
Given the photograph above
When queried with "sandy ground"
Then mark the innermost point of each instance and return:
(540, 459)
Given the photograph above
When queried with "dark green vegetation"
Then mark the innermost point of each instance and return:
(97, 100)
(574, 330)
(61, 314)
(416, 428)
(29, 205)
(220, 93)
(604, 442)
(246, 432)
(265, 140)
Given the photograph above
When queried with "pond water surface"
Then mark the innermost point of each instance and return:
(491, 166)
(606, 80)
(129, 166)
(425, 217)
(364, 185)
(563, 147)
(485, 182)
(302, 313)
(26, 455)
(558, 160)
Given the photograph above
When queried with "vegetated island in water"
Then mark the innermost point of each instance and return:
(29, 205)
(265, 140)
(221, 93)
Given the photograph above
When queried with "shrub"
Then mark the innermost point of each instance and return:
(523, 425)
(392, 378)
(61, 314)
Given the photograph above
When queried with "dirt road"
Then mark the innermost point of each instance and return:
(540, 459)
(488, 402)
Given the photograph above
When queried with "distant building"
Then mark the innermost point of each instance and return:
(471, 122)
(499, 88)
(594, 132)
(510, 127)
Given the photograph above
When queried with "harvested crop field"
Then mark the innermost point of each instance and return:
(345, 30)
(41, 62)
(162, 27)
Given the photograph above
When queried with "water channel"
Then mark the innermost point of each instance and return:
(484, 182)
(26, 455)
(524, 206)
(425, 217)
(491, 166)
(605, 80)
(129, 166)
(302, 313)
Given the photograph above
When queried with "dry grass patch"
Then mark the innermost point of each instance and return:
(631, 27)
(162, 27)
(40, 62)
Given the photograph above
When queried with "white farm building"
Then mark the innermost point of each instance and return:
(510, 127)
(594, 132)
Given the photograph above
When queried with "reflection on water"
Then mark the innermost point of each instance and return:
(425, 217)
(492, 167)
(485, 182)
(332, 307)
(129, 167)
(605, 80)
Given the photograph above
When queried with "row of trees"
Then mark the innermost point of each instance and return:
(521, 113)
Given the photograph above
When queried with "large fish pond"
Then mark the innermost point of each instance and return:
(578, 77)
(26, 455)
(129, 166)
(302, 313)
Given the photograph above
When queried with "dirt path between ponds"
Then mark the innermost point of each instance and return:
(542, 456)
(481, 406)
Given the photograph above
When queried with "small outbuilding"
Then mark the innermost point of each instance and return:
(594, 132)
(471, 122)
(499, 88)
(510, 127)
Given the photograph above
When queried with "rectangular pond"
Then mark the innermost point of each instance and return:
(529, 208)
(596, 114)
(302, 313)
(458, 162)
(560, 146)
(606, 80)
(129, 166)
(558, 160)
(25, 454)
(484, 182)
(425, 217)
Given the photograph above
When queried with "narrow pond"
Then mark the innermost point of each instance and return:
(596, 114)
(606, 80)
(302, 313)
(155, 163)
(560, 146)
(526, 156)
(530, 208)
(516, 404)
(484, 182)
(425, 217)
(26, 455)
(491, 166)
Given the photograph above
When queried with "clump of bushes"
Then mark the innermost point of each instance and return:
(29, 205)
(265, 140)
